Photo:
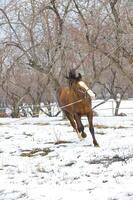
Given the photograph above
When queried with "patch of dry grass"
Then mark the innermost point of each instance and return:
(101, 126)
(35, 152)
(62, 142)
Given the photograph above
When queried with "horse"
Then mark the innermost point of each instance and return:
(75, 102)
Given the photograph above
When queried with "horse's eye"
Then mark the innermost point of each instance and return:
(82, 90)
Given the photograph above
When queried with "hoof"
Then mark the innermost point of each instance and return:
(96, 145)
(84, 135)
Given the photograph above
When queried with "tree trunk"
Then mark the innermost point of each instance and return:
(117, 107)
(15, 113)
(35, 111)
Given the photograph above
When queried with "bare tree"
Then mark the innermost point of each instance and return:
(114, 90)
(51, 37)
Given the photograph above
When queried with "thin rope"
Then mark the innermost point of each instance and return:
(71, 104)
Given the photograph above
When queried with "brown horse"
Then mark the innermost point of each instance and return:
(75, 102)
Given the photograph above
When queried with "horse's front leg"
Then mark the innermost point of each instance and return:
(80, 126)
(91, 128)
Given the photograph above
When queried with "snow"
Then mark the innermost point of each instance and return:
(43, 159)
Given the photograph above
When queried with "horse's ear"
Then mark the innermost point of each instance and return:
(72, 74)
(79, 77)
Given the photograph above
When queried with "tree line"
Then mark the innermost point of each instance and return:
(41, 41)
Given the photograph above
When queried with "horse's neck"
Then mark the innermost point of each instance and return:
(75, 94)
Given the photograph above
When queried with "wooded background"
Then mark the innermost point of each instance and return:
(40, 40)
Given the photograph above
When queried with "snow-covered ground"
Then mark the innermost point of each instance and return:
(43, 159)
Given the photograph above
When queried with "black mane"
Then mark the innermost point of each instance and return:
(72, 75)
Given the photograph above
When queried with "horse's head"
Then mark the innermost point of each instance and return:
(78, 85)
(86, 89)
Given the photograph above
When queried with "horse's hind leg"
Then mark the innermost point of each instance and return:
(91, 128)
(73, 123)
